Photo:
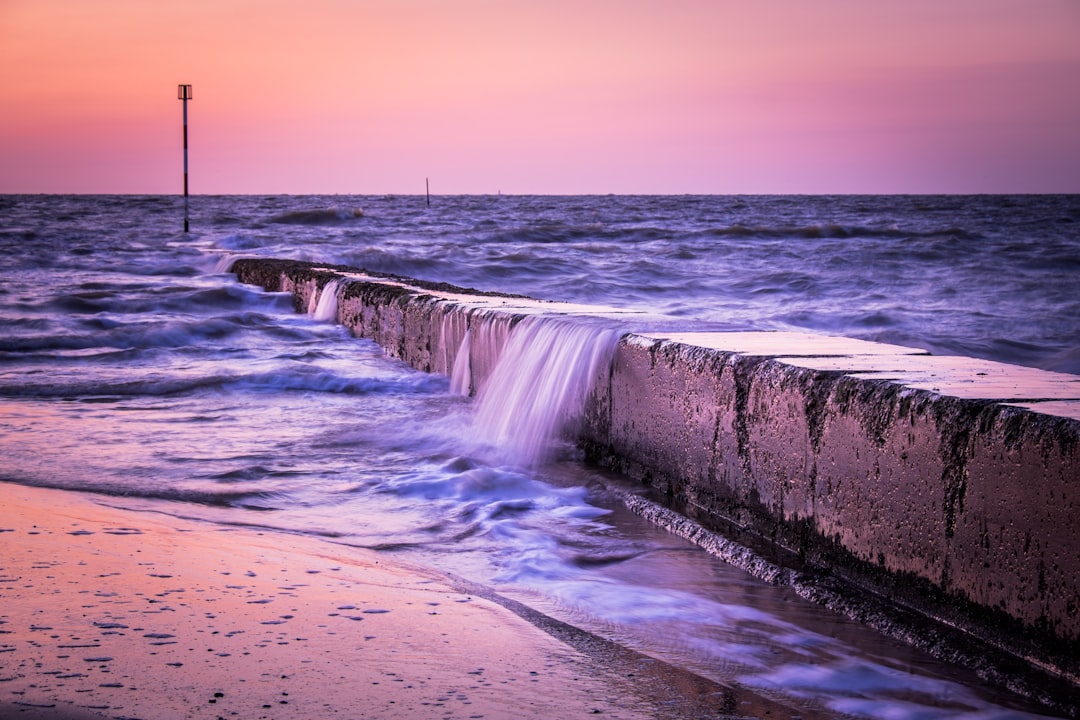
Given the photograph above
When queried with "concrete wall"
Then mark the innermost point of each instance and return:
(950, 484)
(963, 507)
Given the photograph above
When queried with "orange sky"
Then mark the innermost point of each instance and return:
(541, 96)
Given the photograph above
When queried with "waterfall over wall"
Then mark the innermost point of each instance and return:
(460, 377)
(532, 373)
(452, 356)
(541, 381)
(326, 308)
(489, 335)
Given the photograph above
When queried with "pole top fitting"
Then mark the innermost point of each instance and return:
(183, 92)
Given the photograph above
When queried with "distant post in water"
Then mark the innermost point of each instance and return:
(184, 93)
(427, 189)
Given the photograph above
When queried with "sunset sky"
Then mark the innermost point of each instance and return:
(541, 96)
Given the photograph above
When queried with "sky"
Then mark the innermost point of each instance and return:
(541, 96)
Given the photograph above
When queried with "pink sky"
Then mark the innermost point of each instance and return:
(542, 96)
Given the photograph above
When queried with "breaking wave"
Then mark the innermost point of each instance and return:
(326, 216)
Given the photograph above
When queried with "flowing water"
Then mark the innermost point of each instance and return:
(133, 366)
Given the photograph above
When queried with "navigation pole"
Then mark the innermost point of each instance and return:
(184, 93)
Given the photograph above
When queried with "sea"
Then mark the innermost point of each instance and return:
(134, 366)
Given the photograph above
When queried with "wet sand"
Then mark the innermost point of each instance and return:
(106, 612)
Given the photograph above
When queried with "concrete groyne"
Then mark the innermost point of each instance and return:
(946, 485)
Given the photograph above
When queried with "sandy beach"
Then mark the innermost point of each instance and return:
(107, 612)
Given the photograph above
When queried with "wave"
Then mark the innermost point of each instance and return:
(324, 216)
(170, 300)
(553, 233)
(109, 335)
(214, 498)
(556, 233)
(829, 231)
(545, 233)
(293, 379)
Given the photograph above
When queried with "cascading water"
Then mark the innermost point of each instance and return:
(460, 378)
(326, 308)
(540, 384)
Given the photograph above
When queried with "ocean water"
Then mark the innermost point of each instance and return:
(134, 366)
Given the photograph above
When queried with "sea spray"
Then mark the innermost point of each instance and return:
(326, 308)
(540, 384)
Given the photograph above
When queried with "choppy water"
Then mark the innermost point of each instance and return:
(131, 366)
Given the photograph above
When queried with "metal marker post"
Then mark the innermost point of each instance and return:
(184, 93)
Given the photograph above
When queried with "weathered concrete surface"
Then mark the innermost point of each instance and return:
(965, 507)
(948, 484)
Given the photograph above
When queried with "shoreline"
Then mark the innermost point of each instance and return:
(108, 612)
